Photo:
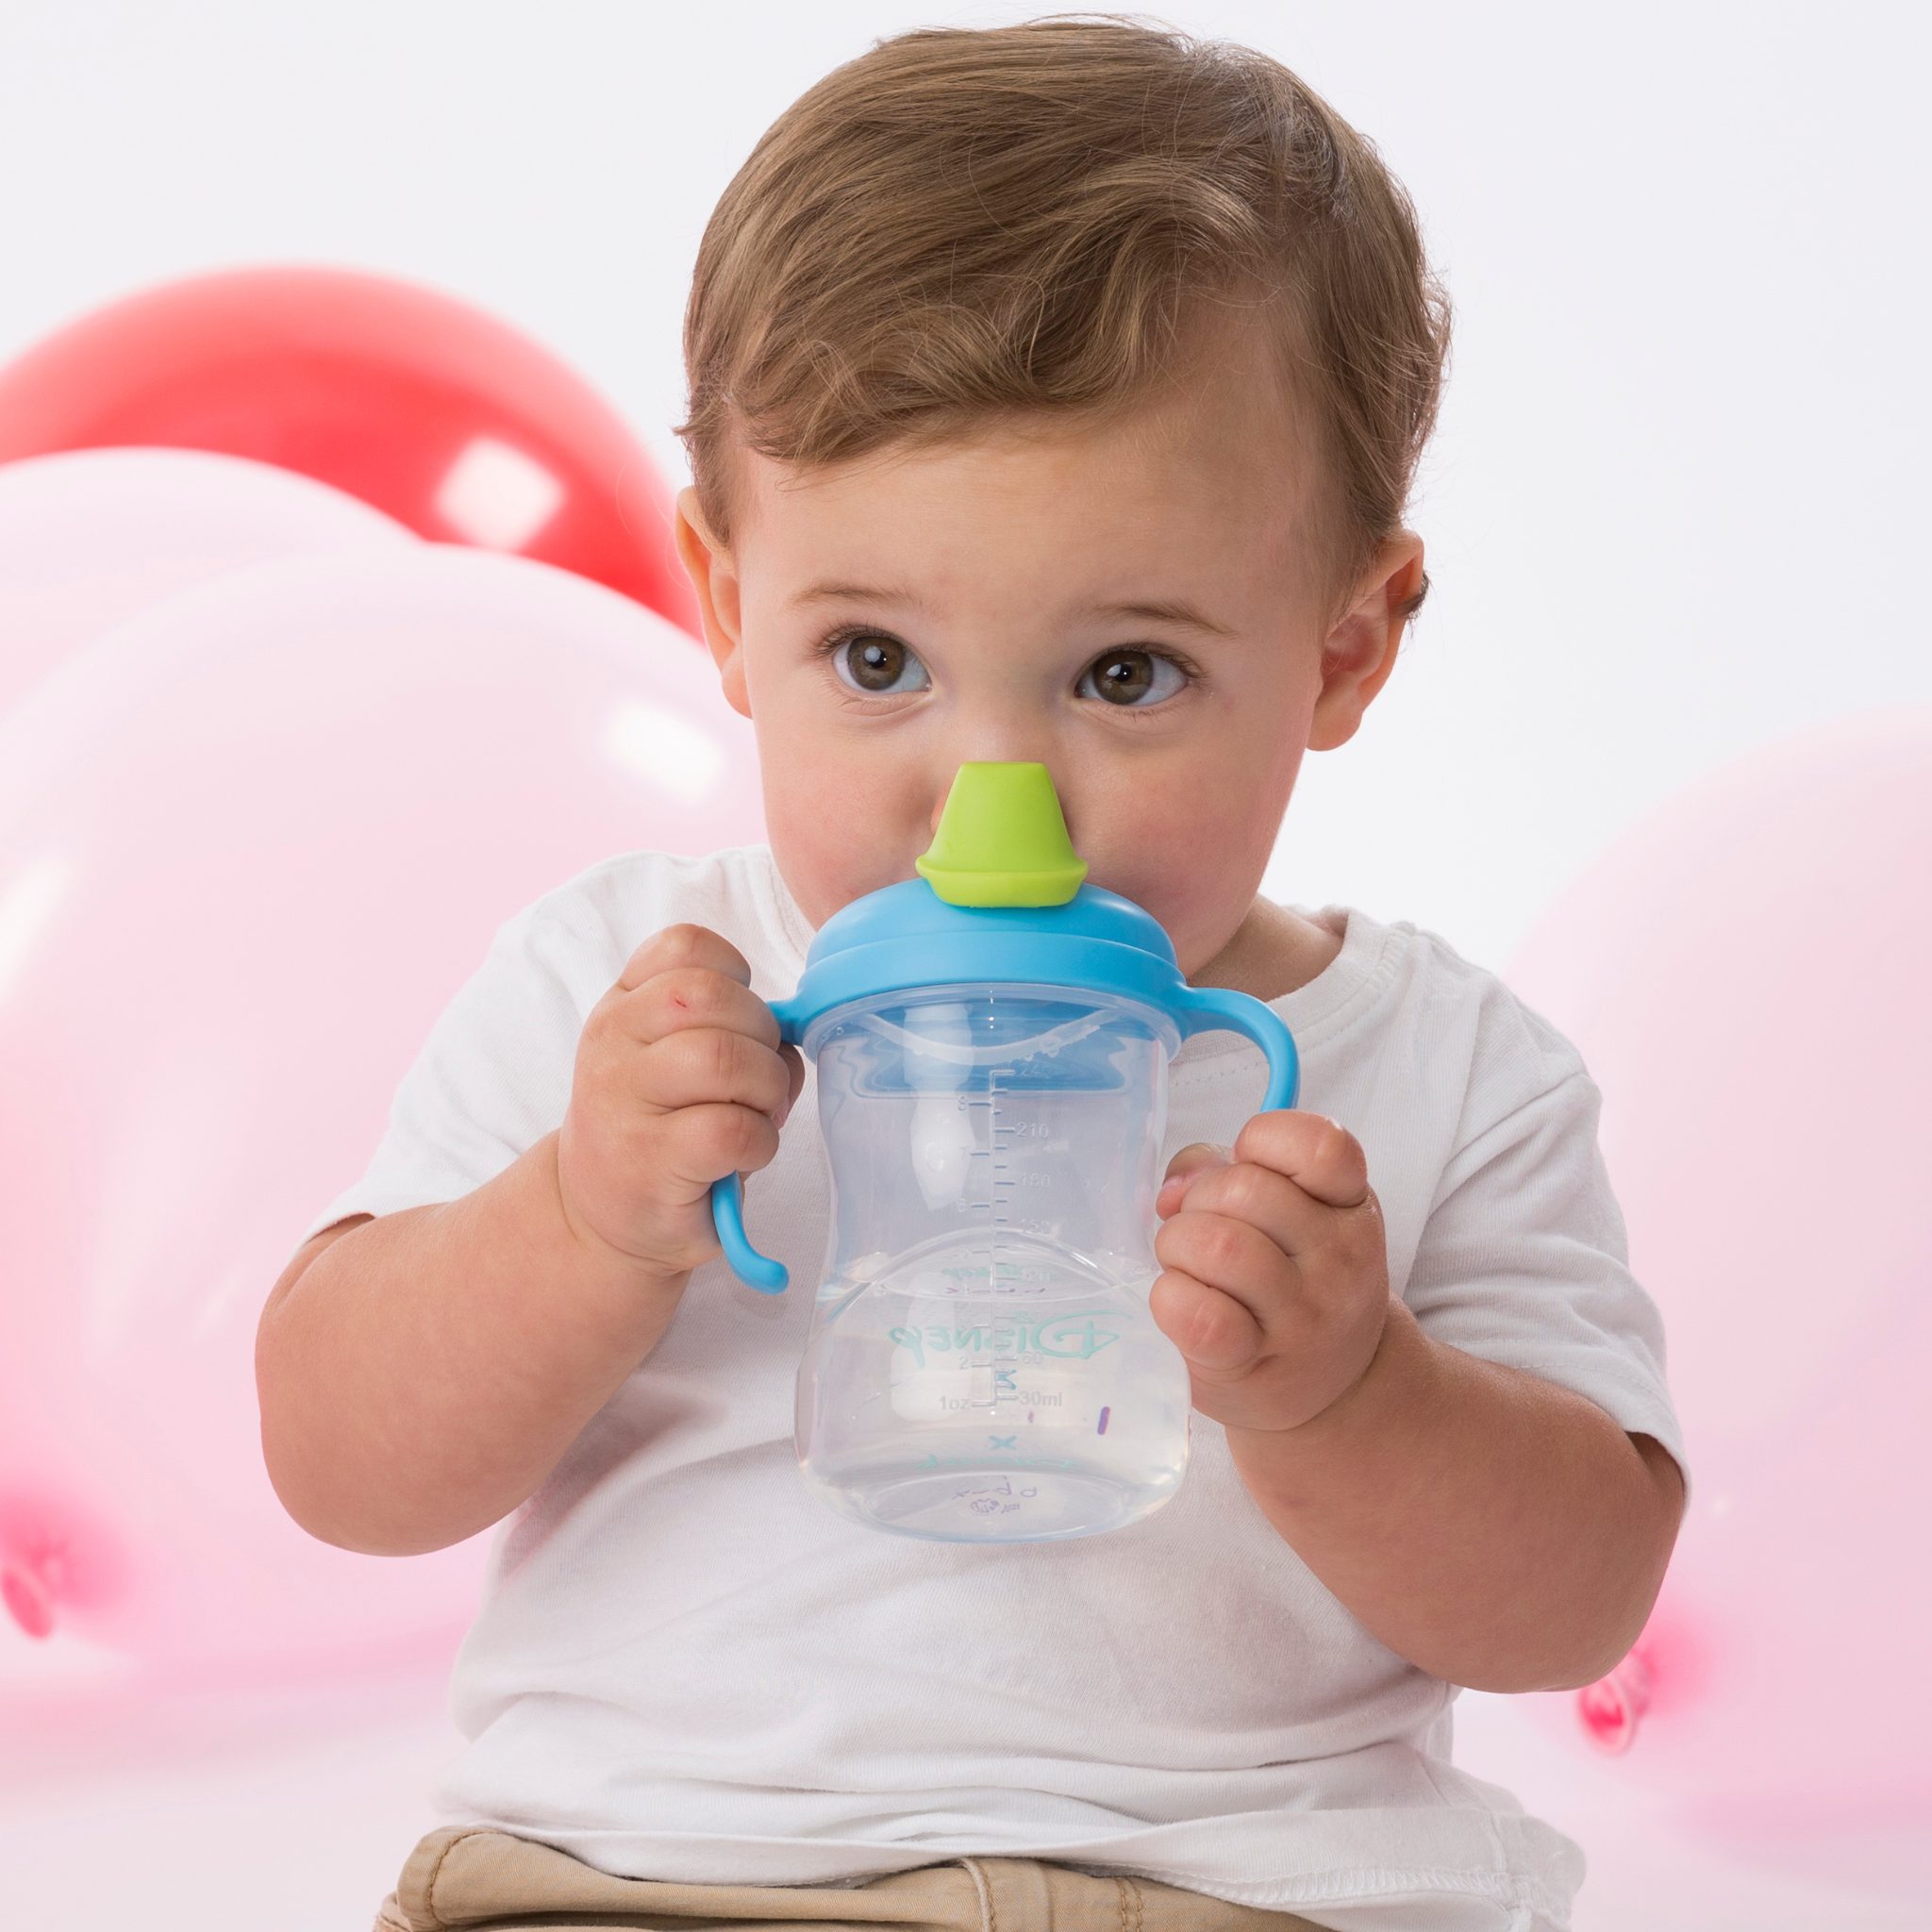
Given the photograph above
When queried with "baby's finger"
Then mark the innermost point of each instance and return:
(703, 1065)
(1195, 1158)
(705, 1143)
(1320, 1156)
(1281, 1208)
(684, 946)
(1233, 1257)
(1212, 1330)
(694, 996)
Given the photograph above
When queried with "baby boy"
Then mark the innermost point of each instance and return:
(1055, 395)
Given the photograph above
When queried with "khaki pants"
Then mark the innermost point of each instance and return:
(460, 1878)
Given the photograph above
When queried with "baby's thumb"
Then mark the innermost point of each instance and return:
(1195, 1158)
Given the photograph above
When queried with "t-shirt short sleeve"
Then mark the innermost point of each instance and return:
(1522, 1260)
(495, 1075)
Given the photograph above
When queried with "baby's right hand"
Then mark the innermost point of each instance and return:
(680, 1080)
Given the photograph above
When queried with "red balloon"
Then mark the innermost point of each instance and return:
(455, 424)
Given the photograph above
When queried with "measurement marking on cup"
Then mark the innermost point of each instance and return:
(1104, 1414)
(1002, 1188)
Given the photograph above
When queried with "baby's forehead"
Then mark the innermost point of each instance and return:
(916, 245)
(1187, 512)
(1223, 429)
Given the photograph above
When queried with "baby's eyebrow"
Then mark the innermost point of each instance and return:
(854, 593)
(1163, 610)
(1176, 611)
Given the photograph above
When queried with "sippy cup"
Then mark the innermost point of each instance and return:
(991, 1043)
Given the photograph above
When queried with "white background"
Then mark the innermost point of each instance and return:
(1674, 511)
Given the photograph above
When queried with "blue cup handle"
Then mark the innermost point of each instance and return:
(1216, 1008)
(727, 1216)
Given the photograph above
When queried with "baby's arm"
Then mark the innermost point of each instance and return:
(1495, 1529)
(420, 1374)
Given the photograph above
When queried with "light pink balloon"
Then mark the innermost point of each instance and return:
(1749, 977)
(250, 844)
(90, 539)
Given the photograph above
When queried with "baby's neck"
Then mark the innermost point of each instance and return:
(1273, 951)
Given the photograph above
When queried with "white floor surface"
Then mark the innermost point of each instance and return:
(294, 1814)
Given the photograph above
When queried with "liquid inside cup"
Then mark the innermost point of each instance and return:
(982, 1364)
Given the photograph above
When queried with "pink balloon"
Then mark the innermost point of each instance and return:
(1746, 975)
(89, 540)
(250, 844)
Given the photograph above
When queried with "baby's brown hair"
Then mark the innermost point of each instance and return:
(961, 226)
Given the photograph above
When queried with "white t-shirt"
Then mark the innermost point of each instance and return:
(685, 1667)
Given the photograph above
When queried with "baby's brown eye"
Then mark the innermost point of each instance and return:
(1125, 677)
(879, 664)
(1131, 677)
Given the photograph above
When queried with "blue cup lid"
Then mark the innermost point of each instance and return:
(905, 938)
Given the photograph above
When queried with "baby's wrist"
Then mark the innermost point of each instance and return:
(1389, 1395)
(594, 1263)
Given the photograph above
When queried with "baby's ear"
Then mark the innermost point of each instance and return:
(713, 576)
(1360, 651)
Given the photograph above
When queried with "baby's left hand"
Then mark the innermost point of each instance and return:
(1276, 1286)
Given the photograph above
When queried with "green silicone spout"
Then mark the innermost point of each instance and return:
(1002, 841)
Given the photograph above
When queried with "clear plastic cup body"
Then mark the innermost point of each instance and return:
(982, 1366)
